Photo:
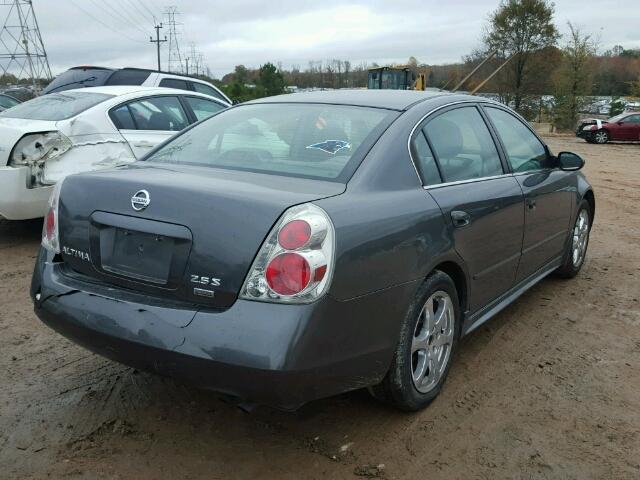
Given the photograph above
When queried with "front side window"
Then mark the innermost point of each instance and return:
(56, 106)
(203, 108)
(524, 151)
(463, 145)
(308, 140)
(632, 119)
(158, 113)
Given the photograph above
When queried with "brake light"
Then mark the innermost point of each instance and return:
(294, 234)
(295, 262)
(50, 239)
(288, 274)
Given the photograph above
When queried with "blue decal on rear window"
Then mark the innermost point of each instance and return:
(330, 146)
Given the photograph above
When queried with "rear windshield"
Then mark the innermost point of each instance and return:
(305, 140)
(56, 106)
(78, 78)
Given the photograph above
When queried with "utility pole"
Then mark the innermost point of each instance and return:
(22, 52)
(157, 41)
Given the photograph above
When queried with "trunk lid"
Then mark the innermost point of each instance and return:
(196, 239)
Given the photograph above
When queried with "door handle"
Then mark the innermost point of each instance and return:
(143, 144)
(460, 218)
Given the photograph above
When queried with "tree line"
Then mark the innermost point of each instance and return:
(524, 41)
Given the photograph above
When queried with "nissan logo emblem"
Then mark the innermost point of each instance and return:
(140, 200)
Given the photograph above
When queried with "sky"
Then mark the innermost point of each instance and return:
(293, 32)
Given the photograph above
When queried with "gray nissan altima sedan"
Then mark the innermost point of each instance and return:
(300, 246)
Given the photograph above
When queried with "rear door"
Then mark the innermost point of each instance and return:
(547, 191)
(147, 122)
(457, 157)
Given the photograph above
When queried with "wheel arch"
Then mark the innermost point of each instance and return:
(591, 200)
(459, 277)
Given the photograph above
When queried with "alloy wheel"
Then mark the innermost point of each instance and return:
(432, 341)
(601, 136)
(580, 238)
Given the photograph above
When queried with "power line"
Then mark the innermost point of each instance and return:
(119, 17)
(140, 13)
(153, 15)
(120, 33)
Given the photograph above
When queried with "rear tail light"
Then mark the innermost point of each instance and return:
(37, 147)
(50, 239)
(295, 263)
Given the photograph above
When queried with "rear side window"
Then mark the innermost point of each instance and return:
(302, 140)
(174, 83)
(425, 163)
(122, 118)
(463, 145)
(203, 108)
(56, 106)
(158, 113)
(207, 90)
(128, 77)
(524, 150)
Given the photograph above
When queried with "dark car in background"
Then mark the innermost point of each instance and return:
(300, 246)
(7, 101)
(621, 128)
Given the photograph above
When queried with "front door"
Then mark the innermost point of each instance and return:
(547, 192)
(482, 205)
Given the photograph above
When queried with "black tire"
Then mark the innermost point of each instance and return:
(601, 137)
(398, 388)
(569, 267)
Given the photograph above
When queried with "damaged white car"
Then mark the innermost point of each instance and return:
(47, 138)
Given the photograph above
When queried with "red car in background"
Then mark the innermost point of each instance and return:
(621, 128)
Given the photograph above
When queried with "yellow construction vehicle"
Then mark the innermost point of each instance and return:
(399, 77)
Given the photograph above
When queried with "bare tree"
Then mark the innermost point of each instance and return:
(573, 78)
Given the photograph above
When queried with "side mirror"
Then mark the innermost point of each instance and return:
(570, 161)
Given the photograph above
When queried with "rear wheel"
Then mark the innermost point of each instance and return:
(428, 338)
(601, 136)
(578, 243)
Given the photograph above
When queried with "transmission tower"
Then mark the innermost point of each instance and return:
(22, 52)
(174, 62)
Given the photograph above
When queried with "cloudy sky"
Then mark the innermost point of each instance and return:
(251, 32)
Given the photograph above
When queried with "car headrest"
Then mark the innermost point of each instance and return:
(445, 137)
(159, 121)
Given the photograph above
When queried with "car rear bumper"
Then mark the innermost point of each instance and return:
(17, 202)
(278, 355)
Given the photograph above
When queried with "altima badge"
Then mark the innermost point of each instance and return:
(140, 200)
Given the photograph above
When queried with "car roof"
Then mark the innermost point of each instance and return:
(119, 90)
(390, 99)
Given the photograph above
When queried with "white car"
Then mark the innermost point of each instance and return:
(87, 76)
(47, 138)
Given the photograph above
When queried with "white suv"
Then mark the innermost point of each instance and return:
(79, 77)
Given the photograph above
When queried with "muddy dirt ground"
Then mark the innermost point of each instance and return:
(549, 389)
